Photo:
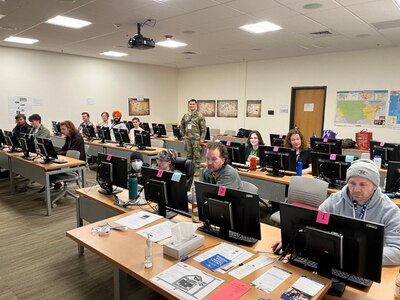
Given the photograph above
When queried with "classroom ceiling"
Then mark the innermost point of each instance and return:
(209, 27)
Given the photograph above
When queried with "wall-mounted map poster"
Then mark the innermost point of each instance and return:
(138, 107)
(206, 107)
(361, 108)
(393, 119)
(253, 109)
(227, 108)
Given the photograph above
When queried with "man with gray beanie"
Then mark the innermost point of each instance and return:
(362, 198)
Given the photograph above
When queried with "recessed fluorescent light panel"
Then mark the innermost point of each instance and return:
(113, 54)
(68, 22)
(260, 27)
(171, 44)
(397, 2)
(2, 16)
(20, 40)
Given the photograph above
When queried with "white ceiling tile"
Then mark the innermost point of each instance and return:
(376, 11)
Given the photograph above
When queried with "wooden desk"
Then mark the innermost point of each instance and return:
(353, 151)
(125, 251)
(96, 146)
(40, 173)
(269, 234)
(230, 138)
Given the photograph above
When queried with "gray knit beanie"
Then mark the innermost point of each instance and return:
(364, 168)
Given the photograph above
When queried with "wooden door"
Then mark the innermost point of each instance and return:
(307, 110)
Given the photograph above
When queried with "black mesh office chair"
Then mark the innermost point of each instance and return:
(186, 166)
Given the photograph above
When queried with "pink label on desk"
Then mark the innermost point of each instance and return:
(323, 217)
(109, 157)
(228, 143)
(275, 149)
(159, 173)
(281, 136)
(382, 144)
(332, 157)
(325, 140)
(221, 191)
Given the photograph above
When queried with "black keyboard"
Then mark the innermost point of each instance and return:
(353, 280)
(234, 237)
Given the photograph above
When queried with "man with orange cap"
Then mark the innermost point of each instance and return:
(117, 123)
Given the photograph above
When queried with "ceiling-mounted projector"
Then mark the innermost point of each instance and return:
(140, 42)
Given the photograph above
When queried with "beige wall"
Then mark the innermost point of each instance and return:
(64, 82)
(272, 80)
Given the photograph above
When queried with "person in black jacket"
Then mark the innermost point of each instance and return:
(73, 140)
(22, 126)
(295, 140)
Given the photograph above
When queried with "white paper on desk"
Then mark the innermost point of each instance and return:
(268, 281)
(157, 232)
(251, 266)
(308, 285)
(235, 254)
(139, 219)
(187, 281)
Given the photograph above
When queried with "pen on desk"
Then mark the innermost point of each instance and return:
(189, 256)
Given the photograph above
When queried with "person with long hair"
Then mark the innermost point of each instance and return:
(295, 140)
(253, 141)
(73, 139)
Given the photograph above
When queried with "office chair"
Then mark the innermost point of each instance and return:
(304, 191)
(66, 178)
(186, 166)
(252, 188)
(157, 143)
(230, 132)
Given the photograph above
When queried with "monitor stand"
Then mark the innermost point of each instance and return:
(121, 144)
(274, 173)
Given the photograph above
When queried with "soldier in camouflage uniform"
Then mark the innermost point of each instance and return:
(193, 129)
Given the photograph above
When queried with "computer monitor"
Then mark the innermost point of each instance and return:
(128, 124)
(2, 139)
(142, 139)
(145, 126)
(243, 133)
(325, 145)
(89, 132)
(154, 126)
(121, 136)
(161, 130)
(12, 141)
(332, 241)
(230, 214)
(46, 149)
(177, 132)
(393, 177)
(208, 136)
(56, 127)
(236, 152)
(27, 142)
(279, 159)
(112, 172)
(103, 133)
(276, 139)
(167, 189)
(387, 151)
(331, 167)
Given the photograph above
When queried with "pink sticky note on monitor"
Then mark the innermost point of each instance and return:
(323, 217)
(228, 143)
(275, 149)
(382, 144)
(232, 291)
(221, 191)
(159, 173)
(325, 140)
(281, 136)
(332, 157)
(109, 157)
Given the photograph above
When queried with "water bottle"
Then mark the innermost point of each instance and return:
(299, 168)
(195, 209)
(133, 186)
(148, 255)
(397, 287)
(378, 161)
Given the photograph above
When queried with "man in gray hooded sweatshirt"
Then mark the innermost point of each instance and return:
(362, 198)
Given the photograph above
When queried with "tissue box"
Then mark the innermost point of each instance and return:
(184, 248)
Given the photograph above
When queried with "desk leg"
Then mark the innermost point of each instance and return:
(120, 284)
(12, 183)
(47, 195)
(83, 176)
(79, 222)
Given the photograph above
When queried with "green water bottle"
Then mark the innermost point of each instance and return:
(133, 186)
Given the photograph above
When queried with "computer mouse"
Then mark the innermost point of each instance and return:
(397, 195)
(278, 252)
